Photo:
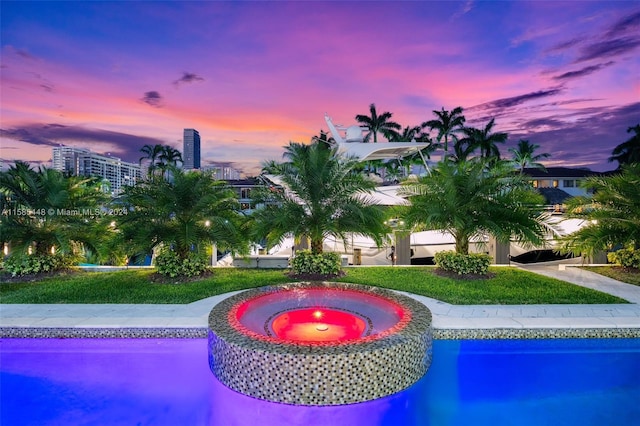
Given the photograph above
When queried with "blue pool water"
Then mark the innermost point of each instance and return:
(168, 382)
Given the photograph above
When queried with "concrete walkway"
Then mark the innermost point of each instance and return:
(445, 316)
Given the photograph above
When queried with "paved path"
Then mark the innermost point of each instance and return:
(445, 316)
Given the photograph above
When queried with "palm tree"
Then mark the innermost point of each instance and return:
(324, 139)
(321, 196)
(377, 123)
(462, 150)
(484, 140)
(49, 212)
(168, 159)
(151, 153)
(394, 169)
(628, 152)
(186, 214)
(408, 134)
(613, 211)
(447, 124)
(523, 155)
(475, 198)
(170, 156)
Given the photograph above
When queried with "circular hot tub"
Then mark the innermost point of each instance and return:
(319, 343)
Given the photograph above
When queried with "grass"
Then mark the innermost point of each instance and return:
(508, 286)
(617, 273)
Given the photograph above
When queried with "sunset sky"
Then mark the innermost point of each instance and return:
(252, 76)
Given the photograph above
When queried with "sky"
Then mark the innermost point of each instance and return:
(253, 76)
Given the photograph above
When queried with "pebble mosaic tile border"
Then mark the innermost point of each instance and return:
(536, 333)
(320, 373)
(201, 333)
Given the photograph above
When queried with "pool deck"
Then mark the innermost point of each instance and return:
(449, 321)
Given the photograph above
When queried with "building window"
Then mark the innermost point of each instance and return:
(245, 193)
(535, 183)
(568, 183)
(555, 183)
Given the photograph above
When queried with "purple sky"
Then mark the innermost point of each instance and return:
(252, 76)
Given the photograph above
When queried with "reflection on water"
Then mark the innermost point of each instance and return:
(168, 382)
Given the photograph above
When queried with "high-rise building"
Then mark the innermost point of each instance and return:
(82, 162)
(191, 149)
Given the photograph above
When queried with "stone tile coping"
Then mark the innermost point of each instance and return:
(498, 321)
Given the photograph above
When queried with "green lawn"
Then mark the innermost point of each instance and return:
(508, 286)
(617, 273)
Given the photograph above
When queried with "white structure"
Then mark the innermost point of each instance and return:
(82, 162)
(222, 171)
(353, 144)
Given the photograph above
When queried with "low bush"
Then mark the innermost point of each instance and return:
(474, 263)
(304, 262)
(627, 257)
(38, 263)
(170, 264)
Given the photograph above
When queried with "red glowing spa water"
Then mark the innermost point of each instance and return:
(318, 315)
(318, 325)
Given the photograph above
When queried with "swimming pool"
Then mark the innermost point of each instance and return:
(168, 382)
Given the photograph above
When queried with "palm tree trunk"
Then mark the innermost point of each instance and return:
(316, 246)
(462, 244)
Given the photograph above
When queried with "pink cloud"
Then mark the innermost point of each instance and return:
(269, 72)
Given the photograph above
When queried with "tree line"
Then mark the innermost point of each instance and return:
(460, 142)
(180, 214)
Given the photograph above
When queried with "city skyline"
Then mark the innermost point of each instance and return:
(253, 76)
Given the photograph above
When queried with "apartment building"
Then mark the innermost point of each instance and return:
(83, 162)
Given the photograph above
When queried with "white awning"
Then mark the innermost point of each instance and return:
(352, 144)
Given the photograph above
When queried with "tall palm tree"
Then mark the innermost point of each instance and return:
(475, 198)
(377, 123)
(170, 156)
(187, 214)
(48, 210)
(168, 159)
(484, 140)
(462, 150)
(321, 196)
(447, 125)
(524, 155)
(613, 212)
(408, 134)
(151, 153)
(628, 152)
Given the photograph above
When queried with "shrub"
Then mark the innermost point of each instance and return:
(474, 263)
(626, 257)
(305, 262)
(169, 263)
(38, 263)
